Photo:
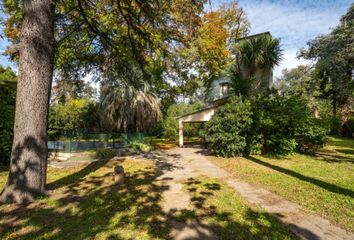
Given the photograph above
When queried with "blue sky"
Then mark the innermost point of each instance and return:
(293, 21)
(3, 43)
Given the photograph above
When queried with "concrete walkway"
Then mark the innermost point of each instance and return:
(179, 164)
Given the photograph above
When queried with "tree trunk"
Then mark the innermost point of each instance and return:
(27, 175)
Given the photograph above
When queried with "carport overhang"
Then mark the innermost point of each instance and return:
(202, 115)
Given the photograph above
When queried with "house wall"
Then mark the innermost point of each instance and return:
(264, 81)
(214, 90)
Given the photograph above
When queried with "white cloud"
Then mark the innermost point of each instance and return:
(294, 22)
(289, 61)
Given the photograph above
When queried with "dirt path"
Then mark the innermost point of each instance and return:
(179, 164)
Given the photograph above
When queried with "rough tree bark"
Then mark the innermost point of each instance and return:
(27, 175)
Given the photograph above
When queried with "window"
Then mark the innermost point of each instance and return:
(224, 88)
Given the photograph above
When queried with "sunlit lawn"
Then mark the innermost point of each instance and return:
(322, 184)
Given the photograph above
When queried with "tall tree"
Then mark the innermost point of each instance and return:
(95, 36)
(296, 81)
(127, 108)
(255, 58)
(210, 50)
(334, 63)
(27, 175)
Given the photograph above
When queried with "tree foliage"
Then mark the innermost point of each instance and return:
(334, 61)
(7, 111)
(129, 109)
(276, 125)
(72, 117)
(209, 51)
(256, 56)
(66, 89)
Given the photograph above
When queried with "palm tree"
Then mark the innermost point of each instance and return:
(255, 60)
(128, 108)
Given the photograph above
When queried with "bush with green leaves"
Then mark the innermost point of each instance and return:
(106, 153)
(275, 119)
(226, 132)
(7, 112)
(310, 136)
(70, 118)
(285, 124)
(275, 125)
(141, 146)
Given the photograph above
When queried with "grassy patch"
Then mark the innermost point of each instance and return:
(3, 175)
(86, 204)
(322, 184)
(229, 216)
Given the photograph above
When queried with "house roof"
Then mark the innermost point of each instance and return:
(252, 36)
(213, 104)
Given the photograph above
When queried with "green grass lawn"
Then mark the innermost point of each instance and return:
(229, 216)
(322, 184)
(84, 203)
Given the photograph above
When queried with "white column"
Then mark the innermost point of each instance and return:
(180, 132)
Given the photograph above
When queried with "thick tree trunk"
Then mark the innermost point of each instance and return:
(27, 176)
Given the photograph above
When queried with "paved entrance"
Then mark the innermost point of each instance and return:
(182, 163)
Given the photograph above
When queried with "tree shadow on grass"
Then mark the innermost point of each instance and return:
(89, 207)
(335, 158)
(327, 186)
(342, 142)
(347, 151)
(238, 223)
(77, 176)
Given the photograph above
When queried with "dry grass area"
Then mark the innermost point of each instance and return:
(322, 184)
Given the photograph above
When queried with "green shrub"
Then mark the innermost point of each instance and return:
(284, 125)
(7, 114)
(226, 132)
(279, 145)
(141, 146)
(72, 117)
(335, 125)
(6, 132)
(275, 125)
(105, 153)
(310, 136)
